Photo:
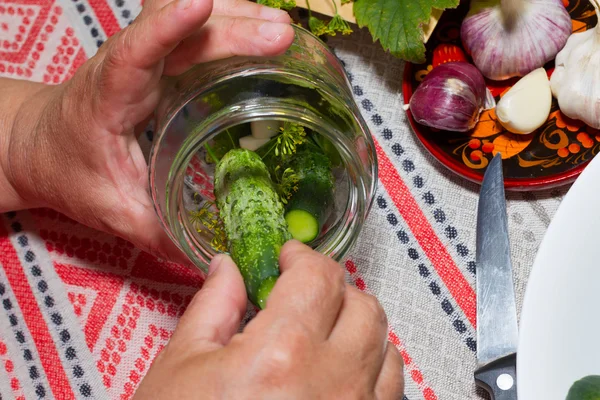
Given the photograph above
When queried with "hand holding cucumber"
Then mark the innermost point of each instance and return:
(317, 337)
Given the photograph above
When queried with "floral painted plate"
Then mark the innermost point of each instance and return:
(553, 155)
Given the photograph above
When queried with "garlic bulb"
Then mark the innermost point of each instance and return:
(575, 81)
(526, 105)
(451, 97)
(509, 38)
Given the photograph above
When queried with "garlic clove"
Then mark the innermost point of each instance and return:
(265, 129)
(526, 106)
(252, 143)
(508, 38)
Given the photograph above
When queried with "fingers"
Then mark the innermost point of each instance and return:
(362, 327)
(309, 291)
(231, 8)
(215, 313)
(223, 37)
(150, 38)
(245, 8)
(390, 383)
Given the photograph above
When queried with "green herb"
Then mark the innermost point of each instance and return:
(587, 388)
(317, 26)
(397, 24)
(286, 183)
(338, 24)
(284, 143)
(281, 4)
(205, 220)
(211, 153)
(225, 141)
(335, 25)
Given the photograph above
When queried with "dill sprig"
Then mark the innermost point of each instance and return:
(285, 143)
(282, 4)
(205, 220)
(317, 26)
(286, 183)
(291, 136)
(338, 24)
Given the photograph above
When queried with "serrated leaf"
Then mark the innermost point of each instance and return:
(398, 24)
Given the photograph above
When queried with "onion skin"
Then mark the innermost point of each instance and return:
(450, 98)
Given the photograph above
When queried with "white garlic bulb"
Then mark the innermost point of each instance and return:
(575, 81)
(509, 38)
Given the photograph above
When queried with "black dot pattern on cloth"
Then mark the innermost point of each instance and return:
(56, 318)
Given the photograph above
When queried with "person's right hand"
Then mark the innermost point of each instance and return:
(317, 338)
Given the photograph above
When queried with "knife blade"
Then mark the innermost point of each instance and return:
(497, 330)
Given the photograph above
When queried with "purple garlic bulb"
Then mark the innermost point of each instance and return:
(508, 38)
(451, 97)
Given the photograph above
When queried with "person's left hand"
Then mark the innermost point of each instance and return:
(73, 147)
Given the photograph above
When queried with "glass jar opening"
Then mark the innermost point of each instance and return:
(215, 107)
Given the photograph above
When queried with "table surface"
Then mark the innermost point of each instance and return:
(84, 313)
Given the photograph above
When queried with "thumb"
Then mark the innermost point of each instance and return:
(215, 313)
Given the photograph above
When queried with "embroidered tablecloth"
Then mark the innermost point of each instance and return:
(83, 313)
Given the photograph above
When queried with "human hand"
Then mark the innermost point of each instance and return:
(73, 147)
(317, 338)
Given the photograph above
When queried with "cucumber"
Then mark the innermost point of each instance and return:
(328, 148)
(253, 217)
(315, 192)
(302, 225)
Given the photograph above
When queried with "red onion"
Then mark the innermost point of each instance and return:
(451, 97)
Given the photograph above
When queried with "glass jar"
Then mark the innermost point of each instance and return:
(307, 85)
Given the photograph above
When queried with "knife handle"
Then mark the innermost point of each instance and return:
(499, 378)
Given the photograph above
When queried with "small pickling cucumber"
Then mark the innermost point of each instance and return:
(314, 194)
(253, 217)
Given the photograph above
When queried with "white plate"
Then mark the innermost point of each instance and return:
(559, 339)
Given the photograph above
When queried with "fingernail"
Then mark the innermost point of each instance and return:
(271, 31)
(273, 14)
(215, 263)
(184, 4)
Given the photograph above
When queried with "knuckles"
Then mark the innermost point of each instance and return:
(285, 354)
(374, 309)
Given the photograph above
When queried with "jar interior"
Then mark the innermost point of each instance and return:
(182, 171)
(276, 141)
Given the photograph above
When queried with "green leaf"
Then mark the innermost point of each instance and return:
(398, 24)
(587, 388)
(226, 141)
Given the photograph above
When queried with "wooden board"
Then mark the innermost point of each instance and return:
(325, 7)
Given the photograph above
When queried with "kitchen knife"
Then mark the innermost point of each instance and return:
(497, 331)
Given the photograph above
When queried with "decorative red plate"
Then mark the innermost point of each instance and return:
(553, 155)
